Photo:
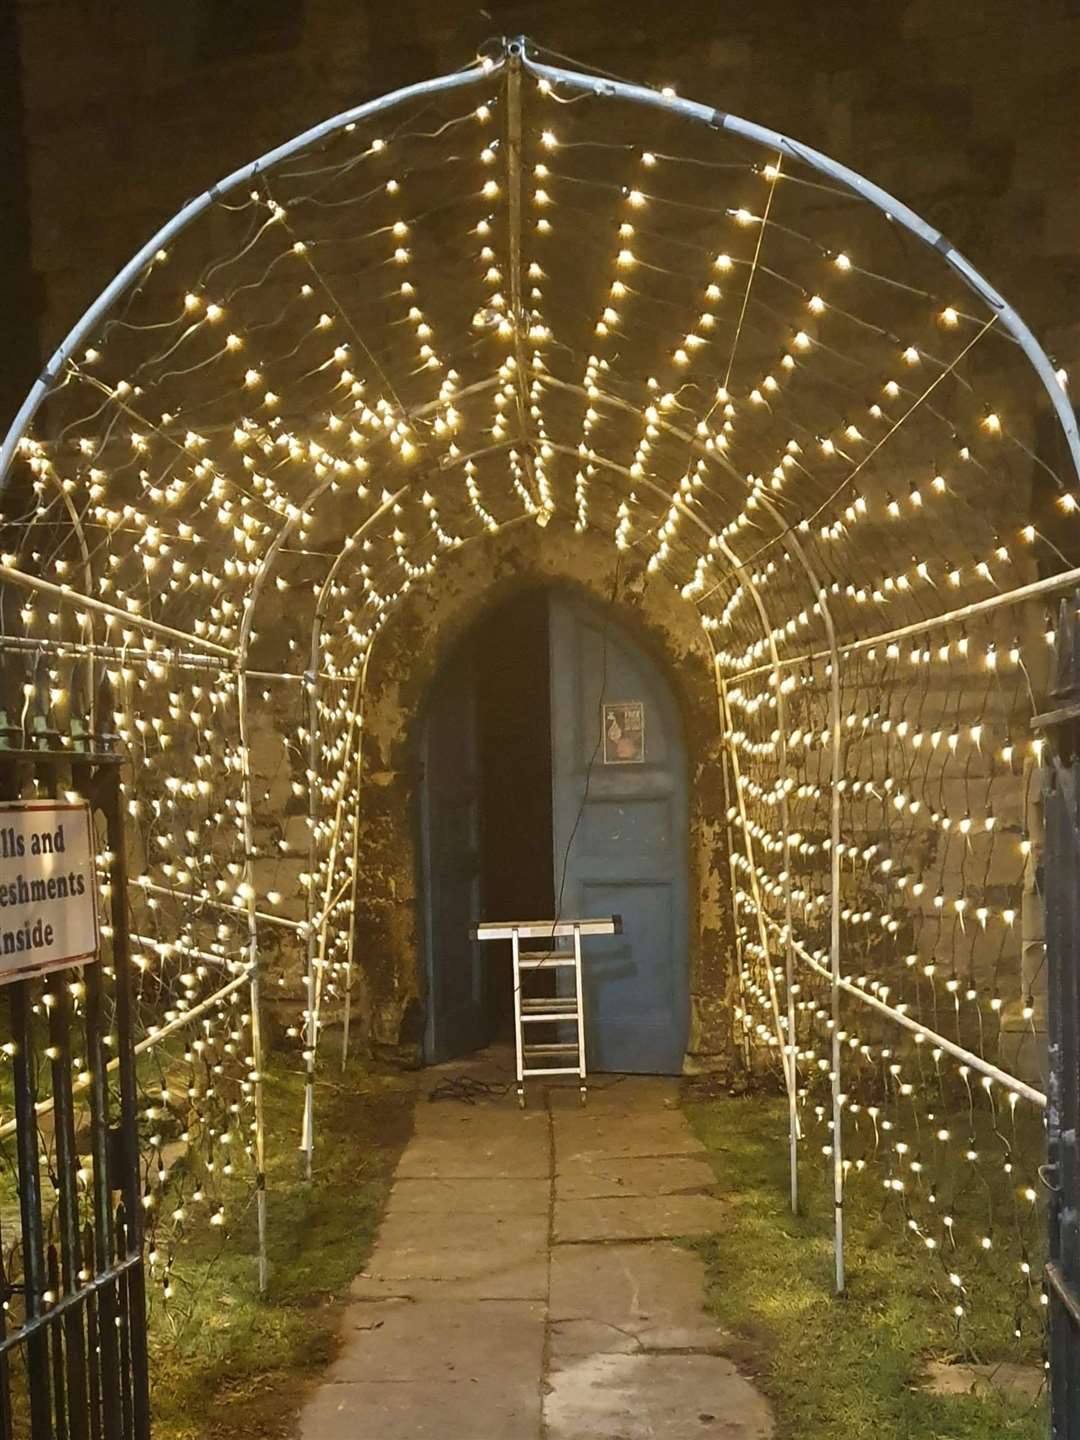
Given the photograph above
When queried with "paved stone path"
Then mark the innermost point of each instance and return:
(524, 1285)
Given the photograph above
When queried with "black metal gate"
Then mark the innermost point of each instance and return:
(1061, 794)
(73, 1357)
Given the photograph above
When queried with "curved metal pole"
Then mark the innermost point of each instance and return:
(180, 221)
(893, 209)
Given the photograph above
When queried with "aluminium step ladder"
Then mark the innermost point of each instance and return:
(556, 1012)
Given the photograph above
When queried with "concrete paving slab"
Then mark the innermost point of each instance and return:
(628, 1298)
(426, 1195)
(452, 1117)
(592, 1176)
(439, 1340)
(502, 1280)
(463, 1155)
(616, 1093)
(640, 1397)
(636, 1217)
(470, 1322)
(456, 1247)
(424, 1410)
(652, 1132)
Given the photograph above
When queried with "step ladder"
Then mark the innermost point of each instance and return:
(562, 1011)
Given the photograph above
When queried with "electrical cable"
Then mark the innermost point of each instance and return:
(592, 758)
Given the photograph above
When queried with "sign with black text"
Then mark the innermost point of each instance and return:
(48, 888)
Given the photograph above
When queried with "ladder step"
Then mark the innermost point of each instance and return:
(562, 1017)
(565, 1004)
(545, 959)
(565, 1049)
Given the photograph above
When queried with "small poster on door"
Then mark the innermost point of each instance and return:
(624, 733)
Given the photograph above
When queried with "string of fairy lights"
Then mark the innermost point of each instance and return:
(522, 297)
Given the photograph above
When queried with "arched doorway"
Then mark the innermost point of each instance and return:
(555, 782)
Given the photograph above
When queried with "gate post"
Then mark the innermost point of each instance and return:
(1061, 798)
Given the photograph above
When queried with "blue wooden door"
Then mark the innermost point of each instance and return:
(620, 826)
(456, 1017)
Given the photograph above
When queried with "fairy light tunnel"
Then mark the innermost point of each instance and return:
(520, 294)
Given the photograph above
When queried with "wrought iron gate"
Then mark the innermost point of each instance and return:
(1061, 794)
(73, 1357)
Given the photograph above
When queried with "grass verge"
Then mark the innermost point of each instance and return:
(844, 1368)
(225, 1362)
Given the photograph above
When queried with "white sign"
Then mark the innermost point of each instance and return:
(48, 888)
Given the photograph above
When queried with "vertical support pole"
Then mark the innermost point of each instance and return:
(789, 948)
(785, 822)
(317, 966)
(834, 964)
(355, 881)
(725, 772)
(579, 981)
(759, 906)
(255, 980)
(358, 708)
(791, 543)
(310, 682)
(515, 941)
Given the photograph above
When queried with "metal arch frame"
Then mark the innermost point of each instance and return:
(515, 60)
(863, 189)
(143, 258)
(896, 211)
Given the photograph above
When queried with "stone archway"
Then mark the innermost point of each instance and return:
(402, 668)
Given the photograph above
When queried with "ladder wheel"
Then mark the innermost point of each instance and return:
(584, 1095)
(521, 1099)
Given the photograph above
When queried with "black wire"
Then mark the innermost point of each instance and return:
(592, 758)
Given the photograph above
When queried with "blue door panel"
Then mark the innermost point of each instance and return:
(637, 824)
(621, 830)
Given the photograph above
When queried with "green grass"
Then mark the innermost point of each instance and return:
(225, 1362)
(837, 1368)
